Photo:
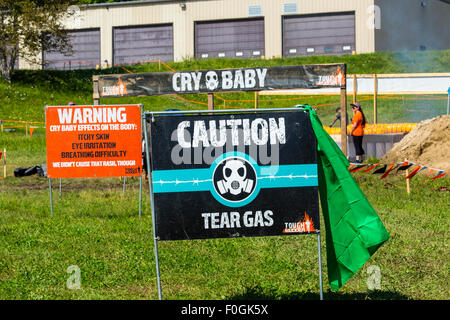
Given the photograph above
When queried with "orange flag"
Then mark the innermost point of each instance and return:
(413, 173)
(388, 171)
(375, 165)
(440, 174)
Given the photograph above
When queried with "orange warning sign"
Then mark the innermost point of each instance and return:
(93, 141)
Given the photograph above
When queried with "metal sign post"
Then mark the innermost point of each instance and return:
(51, 197)
(319, 251)
(152, 206)
(140, 195)
(228, 196)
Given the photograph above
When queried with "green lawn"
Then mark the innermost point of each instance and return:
(99, 231)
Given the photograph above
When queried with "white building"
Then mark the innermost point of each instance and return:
(138, 31)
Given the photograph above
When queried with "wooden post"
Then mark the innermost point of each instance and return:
(408, 189)
(355, 88)
(344, 120)
(1, 123)
(375, 94)
(26, 129)
(210, 101)
(96, 93)
(256, 99)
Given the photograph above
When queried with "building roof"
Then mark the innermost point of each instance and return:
(139, 2)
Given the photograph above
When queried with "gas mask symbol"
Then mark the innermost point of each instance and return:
(212, 80)
(235, 178)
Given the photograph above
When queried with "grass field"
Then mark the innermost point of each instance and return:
(98, 230)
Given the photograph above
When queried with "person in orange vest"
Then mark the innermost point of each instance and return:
(357, 131)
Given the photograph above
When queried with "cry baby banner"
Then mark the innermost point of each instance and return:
(203, 81)
(234, 175)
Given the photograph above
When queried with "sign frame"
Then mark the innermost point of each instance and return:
(148, 117)
(140, 106)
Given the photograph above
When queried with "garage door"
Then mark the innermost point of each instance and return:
(231, 39)
(332, 34)
(143, 43)
(85, 55)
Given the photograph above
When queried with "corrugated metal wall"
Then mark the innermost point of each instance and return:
(320, 34)
(85, 52)
(142, 43)
(231, 39)
(421, 25)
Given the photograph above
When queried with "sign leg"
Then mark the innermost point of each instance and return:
(140, 195)
(124, 183)
(51, 197)
(320, 265)
(152, 208)
(60, 193)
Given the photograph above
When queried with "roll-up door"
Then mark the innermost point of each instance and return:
(138, 44)
(85, 52)
(230, 38)
(319, 34)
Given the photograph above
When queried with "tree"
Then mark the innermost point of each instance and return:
(28, 27)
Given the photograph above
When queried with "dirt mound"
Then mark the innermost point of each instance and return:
(427, 144)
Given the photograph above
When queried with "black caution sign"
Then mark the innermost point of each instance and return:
(234, 175)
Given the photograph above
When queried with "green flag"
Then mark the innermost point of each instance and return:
(353, 229)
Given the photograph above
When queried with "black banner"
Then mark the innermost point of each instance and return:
(234, 175)
(207, 81)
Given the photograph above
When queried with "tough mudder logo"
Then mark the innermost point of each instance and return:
(116, 90)
(332, 79)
